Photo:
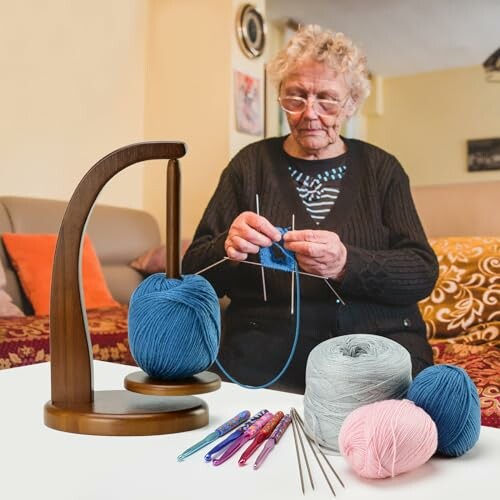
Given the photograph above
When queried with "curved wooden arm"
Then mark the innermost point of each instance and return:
(70, 347)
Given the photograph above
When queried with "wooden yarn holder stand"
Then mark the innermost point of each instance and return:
(74, 405)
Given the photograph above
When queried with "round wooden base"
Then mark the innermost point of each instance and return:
(197, 384)
(123, 413)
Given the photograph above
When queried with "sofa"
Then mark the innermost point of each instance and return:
(462, 314)
(25, 339)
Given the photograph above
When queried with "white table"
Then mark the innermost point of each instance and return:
(39, 463)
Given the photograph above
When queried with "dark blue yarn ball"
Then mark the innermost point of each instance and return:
(174, 326)
(449, 396)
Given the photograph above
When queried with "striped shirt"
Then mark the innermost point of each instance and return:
(318, 184)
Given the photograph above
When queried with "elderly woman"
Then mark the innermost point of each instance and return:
(355, 224)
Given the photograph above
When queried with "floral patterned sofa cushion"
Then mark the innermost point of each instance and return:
(25, 340)
(462, 314)
(467, 293)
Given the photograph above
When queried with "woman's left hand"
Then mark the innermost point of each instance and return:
(317, 252)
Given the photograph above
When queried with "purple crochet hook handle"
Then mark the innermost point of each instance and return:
(233, 436)
(234, 422)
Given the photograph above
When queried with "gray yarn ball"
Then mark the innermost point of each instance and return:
(347, 372)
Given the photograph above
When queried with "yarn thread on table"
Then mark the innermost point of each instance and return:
(387, 438)
(174, 326)
(347, 372)
(449, 396)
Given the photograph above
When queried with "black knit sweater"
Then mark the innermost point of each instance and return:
(390, 265)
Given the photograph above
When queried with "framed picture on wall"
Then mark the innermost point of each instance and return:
(247, 104)
(483, 154)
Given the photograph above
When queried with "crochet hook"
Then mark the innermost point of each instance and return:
(273, 440)
(247, 435)
(220, 431)
(235, 435)
(263, 434)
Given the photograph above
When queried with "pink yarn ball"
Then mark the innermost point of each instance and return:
(387, 438)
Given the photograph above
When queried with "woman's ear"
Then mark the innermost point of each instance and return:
(350, 107)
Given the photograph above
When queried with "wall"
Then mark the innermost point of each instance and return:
(192, 51)
(251, 67)
(71, 91)
(426, 120)
(80, 79)
(75, 86)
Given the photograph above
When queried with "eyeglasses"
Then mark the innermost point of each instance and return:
(323, 107)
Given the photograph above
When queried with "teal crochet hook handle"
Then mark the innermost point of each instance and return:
(220, 431)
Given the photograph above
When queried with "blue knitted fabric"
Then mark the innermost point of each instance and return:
(277, 256)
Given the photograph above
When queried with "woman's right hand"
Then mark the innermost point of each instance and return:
(247, 234)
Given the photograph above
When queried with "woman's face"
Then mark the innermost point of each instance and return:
(313, 133)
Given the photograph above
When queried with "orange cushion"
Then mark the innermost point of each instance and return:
(32, 256)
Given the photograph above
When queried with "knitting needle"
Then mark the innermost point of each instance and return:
(300, 272)
(309, 442)
(259, 264)
(303, 449)
(299, 463)
(301, 422)
(262, 268)
(293, 273)
(211, 265)
(334, 291)
(315, 455)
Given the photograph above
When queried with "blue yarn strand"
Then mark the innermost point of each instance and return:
(174, 324)
(297, 331)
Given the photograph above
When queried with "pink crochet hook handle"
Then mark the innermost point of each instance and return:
(273, 440)
(254, 428)
(263, 434)
(282, 427)
(249, 434)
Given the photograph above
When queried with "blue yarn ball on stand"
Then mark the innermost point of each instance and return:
(174, 326)
(449, 396)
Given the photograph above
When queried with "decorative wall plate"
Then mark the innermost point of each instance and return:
(250, 31)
